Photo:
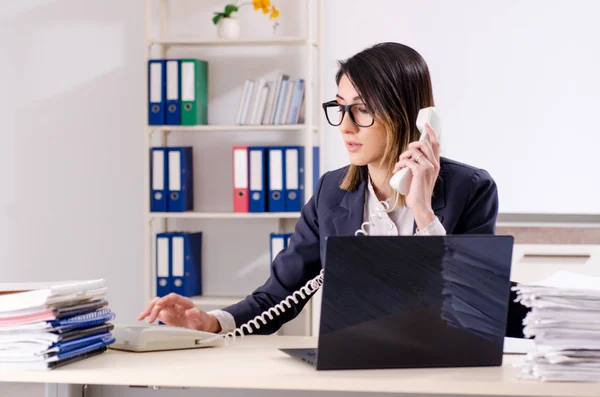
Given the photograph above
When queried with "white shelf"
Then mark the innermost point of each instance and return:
(215, 301)
(232, 127)
(225, 215)
(290, 40)
(305, 46)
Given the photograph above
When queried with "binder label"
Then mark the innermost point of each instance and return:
(276, 172)
(155, 82)
(158, 170)
(240, 161)
(291, 169)
(174, 170)
(162, 257)
(178, 256)
(172, 81)
(256, 170)
(188, 79)
(277, 245)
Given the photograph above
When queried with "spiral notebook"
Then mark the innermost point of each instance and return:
(23, 350)
(61, 325)
(52, 337)
(48, 362)
(97, 317)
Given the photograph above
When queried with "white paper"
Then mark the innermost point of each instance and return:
(564, 323)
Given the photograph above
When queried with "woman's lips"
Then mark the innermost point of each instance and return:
(353, 146)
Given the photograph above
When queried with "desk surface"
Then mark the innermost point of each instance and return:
(254, 362)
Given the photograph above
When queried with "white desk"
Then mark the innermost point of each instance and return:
(255, 362)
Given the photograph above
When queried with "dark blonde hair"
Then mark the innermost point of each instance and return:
(394, 83)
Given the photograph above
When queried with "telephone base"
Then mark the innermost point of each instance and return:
(148, 338)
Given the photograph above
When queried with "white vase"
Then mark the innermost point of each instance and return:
(228, 28)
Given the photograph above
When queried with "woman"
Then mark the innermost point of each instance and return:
(380, 92)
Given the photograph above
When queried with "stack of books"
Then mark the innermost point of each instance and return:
(46, 326)
(565, 323)
(270, 102)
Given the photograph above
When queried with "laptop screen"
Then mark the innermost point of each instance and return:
(415, 300)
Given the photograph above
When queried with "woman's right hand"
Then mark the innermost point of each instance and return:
(178, 311)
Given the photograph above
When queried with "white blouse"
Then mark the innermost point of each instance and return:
(396, 223)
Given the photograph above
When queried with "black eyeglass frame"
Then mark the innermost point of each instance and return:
(345, 109)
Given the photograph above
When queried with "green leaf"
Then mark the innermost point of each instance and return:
(229, 9)
(217, 17)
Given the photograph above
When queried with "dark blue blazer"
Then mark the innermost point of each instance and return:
(465, 199)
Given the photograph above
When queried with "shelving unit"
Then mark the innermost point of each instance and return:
(224, 215)
(309, 130)
(296, 41)
(221, 128)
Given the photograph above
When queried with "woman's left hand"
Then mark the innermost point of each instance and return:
(423, 159)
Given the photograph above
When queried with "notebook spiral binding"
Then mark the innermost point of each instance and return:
(309, 288)
(97, 314)
(386, 208)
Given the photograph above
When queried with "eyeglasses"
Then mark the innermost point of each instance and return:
(360, 116)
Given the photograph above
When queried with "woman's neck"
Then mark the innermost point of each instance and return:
(380, 181)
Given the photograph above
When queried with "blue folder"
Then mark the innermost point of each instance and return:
(277, 176)
(163, 264)
(277, 243)
(159, 179)
(258, 167)
(85, 349)
(156, 91)
(294, 179)
(186, 263)
(181, 179)
(81, 342)
(173, 76)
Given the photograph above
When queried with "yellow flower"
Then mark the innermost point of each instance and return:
(261, 4)
(274, 13)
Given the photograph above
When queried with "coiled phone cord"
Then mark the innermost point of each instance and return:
(379, 211)
(309, 288)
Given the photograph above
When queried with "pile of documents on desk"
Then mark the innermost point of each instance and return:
(565, 323)
(44, 326)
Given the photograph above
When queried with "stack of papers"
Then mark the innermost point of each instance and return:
(47, 326)
(565, 323)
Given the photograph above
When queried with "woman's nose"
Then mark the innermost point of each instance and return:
(347, 126)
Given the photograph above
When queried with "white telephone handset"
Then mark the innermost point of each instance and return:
(401, 180)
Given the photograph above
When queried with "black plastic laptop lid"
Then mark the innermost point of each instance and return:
(414, 301)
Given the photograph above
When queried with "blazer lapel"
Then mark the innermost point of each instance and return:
(348, 218)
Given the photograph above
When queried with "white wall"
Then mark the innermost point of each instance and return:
(71, 154)
(516, 83)
(71, 161)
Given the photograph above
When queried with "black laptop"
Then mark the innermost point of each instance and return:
(412, 302)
